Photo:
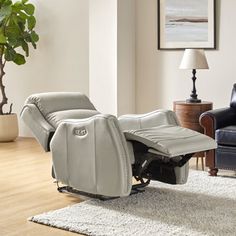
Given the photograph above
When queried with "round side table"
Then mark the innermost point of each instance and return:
(188, 115)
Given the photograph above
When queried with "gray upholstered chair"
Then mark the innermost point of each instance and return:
(99, 154)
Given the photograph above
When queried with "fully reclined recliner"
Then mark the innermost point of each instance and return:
(99, 154)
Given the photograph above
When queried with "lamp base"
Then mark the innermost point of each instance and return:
(193, 96)
(193, 100)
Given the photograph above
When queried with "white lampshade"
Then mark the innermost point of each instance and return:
(194, 59)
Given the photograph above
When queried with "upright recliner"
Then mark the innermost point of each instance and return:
(99, 154)
(220, 124)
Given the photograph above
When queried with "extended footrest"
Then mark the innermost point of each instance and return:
(171, 141)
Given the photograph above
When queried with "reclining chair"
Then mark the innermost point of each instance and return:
(99, 154)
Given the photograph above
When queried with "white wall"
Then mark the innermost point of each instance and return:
(126, 57)
(159, 81)
(103, 55)
(112, 55)
(61, 62)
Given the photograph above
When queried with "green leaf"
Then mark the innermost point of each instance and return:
(19, 59)
(3, 38)
(5, 2)
(23, 15)
(10, 54)
(29, 9)
(1, 50)
(12, 41)
(34, 37)
(12, 31)
(4, 12)
(31, 22)
(18, 6)
(13, 35)
(17, 23)
(25, 47)
(27, 37)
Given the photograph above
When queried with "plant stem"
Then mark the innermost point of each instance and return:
(2, 87)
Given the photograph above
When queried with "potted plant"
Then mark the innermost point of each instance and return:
(17, 23)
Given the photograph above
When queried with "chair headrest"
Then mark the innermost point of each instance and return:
(233, 97)
(58, 101)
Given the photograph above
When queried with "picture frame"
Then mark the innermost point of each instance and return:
(186, 24)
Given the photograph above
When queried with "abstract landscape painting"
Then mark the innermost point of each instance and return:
(186, 24)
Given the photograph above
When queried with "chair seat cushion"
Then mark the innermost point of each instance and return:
(226, 136)
(55, 118)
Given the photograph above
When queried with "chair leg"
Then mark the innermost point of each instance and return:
(202, 162)
(213, 171)
(196, 163)
(202, 158)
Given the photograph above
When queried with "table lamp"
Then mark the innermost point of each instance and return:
(194, 59)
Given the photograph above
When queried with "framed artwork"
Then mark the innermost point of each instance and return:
(186, 24)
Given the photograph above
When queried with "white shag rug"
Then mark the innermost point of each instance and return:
(204, 206)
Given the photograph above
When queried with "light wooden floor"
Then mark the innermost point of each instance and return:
(27, 189)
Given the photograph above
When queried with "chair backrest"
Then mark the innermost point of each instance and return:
(233, 97)
(57, 101)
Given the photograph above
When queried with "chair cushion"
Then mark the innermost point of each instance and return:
(226, 136)
(55, 118)
(225, 157)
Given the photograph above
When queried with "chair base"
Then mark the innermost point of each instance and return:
(136, 188)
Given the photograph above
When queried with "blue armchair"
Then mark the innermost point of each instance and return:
(221, 125)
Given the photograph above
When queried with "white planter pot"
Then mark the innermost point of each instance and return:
(8, 128)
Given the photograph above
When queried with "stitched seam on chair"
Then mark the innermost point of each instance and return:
(126, 154)
(113, 138)
(122, 154)
(144, 115)
(37, 102)
(75, 121)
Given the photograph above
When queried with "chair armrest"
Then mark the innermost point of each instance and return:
(212, 120)
(216, 119)
(148, 120)
(41, 129)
